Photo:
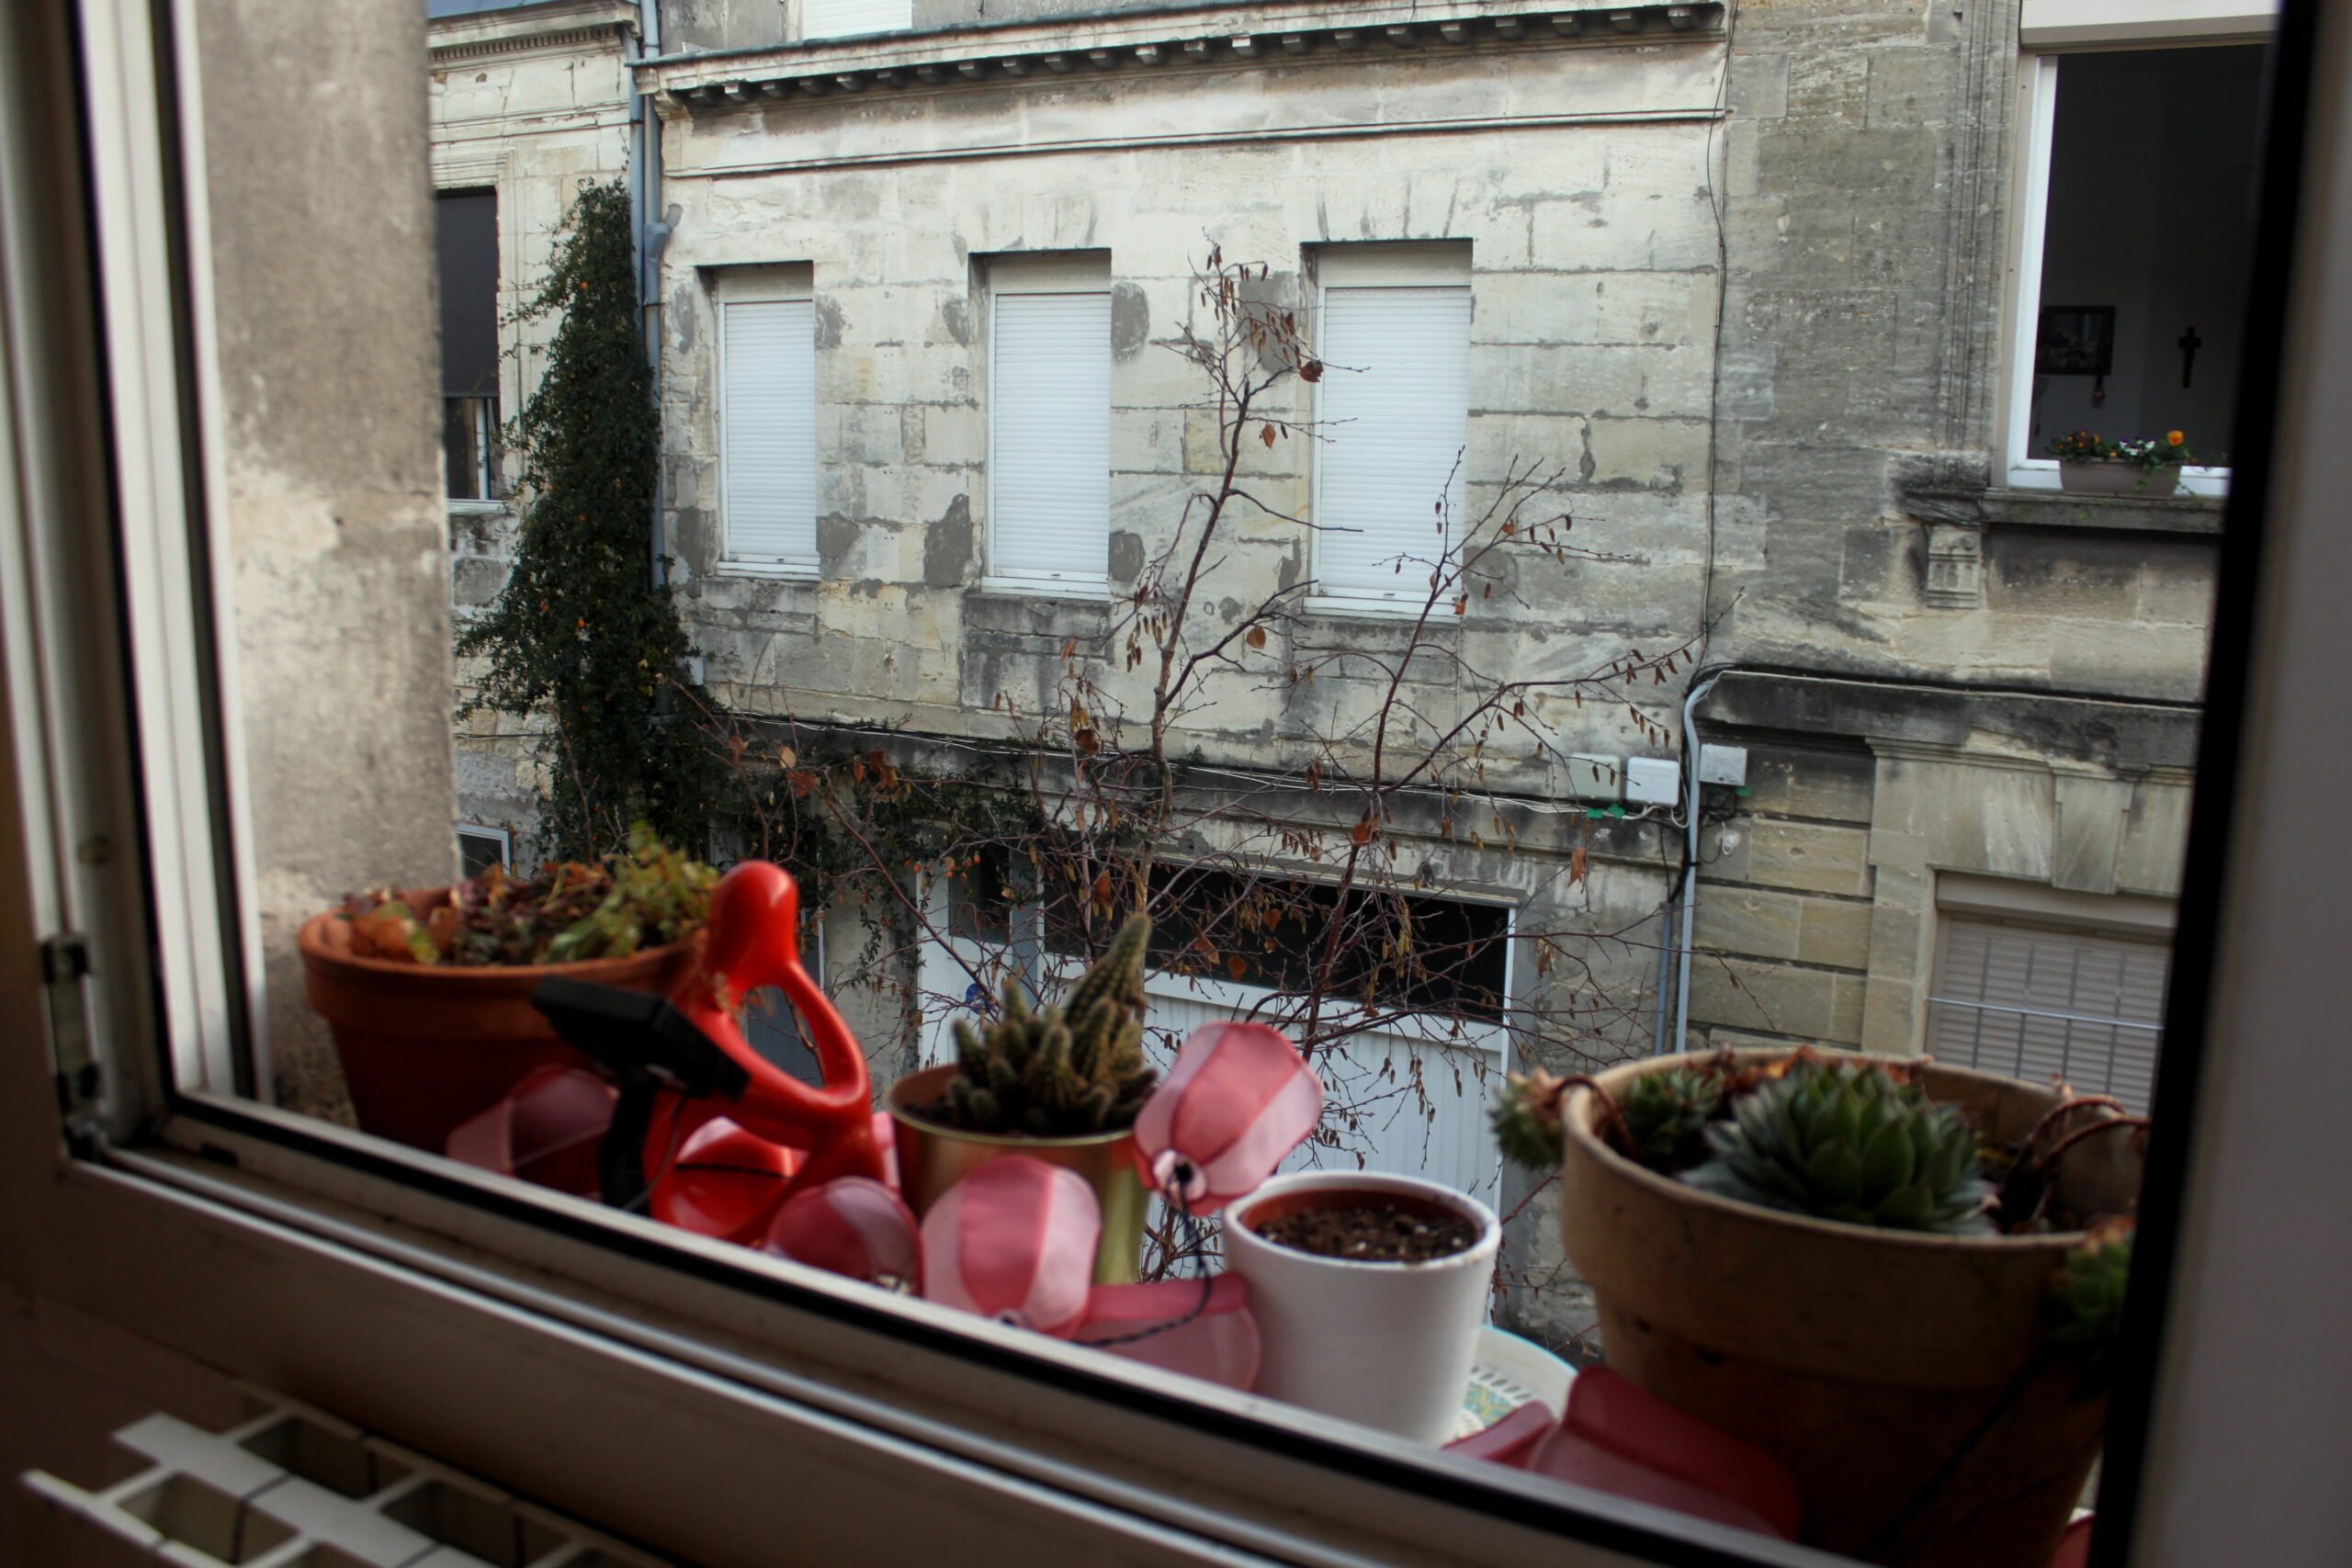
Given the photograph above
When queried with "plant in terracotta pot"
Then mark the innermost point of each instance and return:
(2088, 465)
(1059, 1084)
(1369, 1292)
(427, 993)
(1897, 1277)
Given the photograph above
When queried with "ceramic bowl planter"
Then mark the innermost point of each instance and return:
(933, 1158)
(1898, 1374)
(425, 1047)
(2109, 476)
(1390, 1344)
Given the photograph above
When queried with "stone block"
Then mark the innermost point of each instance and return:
(1824, 786)
(1813, 1004)
(1834, 934)
(1666, 454)
(1749, 921)
(1811, 857)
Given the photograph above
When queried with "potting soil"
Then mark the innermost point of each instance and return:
(1372, 1233)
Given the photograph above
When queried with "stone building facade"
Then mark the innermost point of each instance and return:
(1749, 276)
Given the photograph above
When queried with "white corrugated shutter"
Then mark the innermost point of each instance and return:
(768, 430)
(1049, 452)
(1395, 415)
(2035, 1003)
(839, 18)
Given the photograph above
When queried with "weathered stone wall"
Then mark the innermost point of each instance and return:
(321, 285)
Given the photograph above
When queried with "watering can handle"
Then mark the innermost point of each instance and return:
(752, 939)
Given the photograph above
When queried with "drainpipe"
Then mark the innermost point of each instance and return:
(651, 233)
(1700, 687)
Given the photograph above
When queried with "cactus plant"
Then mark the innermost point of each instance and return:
(1666, 1115)
(1067, 1071)
(1850, 1141)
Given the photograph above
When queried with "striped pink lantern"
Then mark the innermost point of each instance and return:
(1014, 1241)
(1238, 1100)
(851, 1225)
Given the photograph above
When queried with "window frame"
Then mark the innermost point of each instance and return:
(2046, 36)
(1382, 264)
(1087, 273)
(400, 1291)
(777, 284)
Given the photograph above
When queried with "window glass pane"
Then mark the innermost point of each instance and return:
(1504, 562)
(2143, 270)
(1049, 430)
(771, 429)
(1394, 418)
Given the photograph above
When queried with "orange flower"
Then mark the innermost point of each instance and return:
(2172, 438)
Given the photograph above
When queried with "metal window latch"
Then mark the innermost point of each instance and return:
(65, 964)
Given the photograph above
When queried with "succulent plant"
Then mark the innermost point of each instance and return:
(1058, 1072)
(1526, 1119)
(1666, 1115)
(2088, 1298)
(1850, 1141)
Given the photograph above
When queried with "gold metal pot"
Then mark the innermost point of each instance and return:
(933, 1158)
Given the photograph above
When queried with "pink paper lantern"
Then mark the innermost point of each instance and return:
(1166, 1324)
(1014, 1241)
(1238, 1100)
(851, 1225)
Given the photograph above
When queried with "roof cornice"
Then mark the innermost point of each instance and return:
(1224, 38)
(567, 24)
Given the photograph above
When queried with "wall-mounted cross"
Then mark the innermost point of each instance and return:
(2189, 344)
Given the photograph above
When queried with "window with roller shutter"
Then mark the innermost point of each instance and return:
(1391, 411)
(2038, 1001)
(1049, 422)
(768, 433)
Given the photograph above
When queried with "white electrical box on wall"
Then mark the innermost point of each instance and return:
(1722, 764)
(1595, 778)
(1653, 781)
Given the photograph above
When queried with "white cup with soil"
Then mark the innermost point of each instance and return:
(1369, 1292)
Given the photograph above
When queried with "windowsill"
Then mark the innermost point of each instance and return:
(460, 507)
(1370, 607)
(777, 570)
(2042, 508)
(1087, 588)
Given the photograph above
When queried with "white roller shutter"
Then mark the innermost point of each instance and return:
(1395, 415)
(2034, 1003)
(768, 430)
(841, 18)
(1049, 442)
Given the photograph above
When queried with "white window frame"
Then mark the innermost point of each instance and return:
(854, 18)
(502, 836)
(2048, 30)
(533, 1341)
(781, 284)
(1396, 264)
(1045, 271)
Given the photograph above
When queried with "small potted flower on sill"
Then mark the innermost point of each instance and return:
(1895, 1275)
(1059, 1084)
(427, 993)
(2089, 465)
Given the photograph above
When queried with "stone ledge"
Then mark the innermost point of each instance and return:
(567, 24)
(1996, 507)
(970, 56)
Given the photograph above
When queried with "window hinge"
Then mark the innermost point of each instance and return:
(65, 964)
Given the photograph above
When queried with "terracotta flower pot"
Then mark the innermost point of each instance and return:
(1865, 1359)
(424, 1047)
(1390, 1344)
(2105, 476)
(933, 1158)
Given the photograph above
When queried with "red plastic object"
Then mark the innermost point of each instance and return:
(752, 940)
(1620, 1439)
(545, 1131)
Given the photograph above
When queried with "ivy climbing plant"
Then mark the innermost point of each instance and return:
(582, 634)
